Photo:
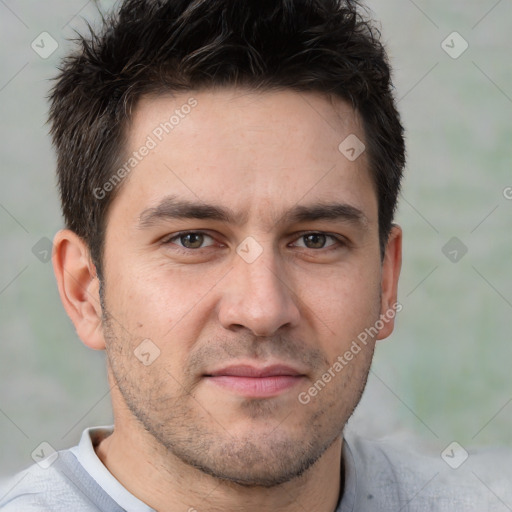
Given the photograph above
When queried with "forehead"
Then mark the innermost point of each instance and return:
(263, 152)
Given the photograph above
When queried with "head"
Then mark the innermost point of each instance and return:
(229, 173)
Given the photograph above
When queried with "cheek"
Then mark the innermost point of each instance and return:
(160, 302)
(343, 306)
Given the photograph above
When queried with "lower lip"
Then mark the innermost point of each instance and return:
(257, 387)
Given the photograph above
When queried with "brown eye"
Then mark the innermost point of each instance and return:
(318, 241)
(192, 244)
(192, 240)
(314, 240)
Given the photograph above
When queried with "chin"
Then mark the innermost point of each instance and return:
(266, 463)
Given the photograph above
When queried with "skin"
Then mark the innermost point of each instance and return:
(182, 441)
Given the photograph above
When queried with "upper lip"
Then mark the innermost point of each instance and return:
(244, 370)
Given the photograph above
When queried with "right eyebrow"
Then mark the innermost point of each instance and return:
(173, 208)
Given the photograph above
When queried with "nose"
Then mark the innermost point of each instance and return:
(258, 297)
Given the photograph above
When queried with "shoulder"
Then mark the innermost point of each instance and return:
(39, 489)
(454, 478)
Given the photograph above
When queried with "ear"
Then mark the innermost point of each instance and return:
(391, 266)
(78, 286)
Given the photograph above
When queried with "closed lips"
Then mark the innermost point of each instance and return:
(253, 372)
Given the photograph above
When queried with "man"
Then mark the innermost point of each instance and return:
(229, 173)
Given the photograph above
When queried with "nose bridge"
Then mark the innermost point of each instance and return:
(262, 275)
(259, 297)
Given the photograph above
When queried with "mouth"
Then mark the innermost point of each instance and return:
(256, 382)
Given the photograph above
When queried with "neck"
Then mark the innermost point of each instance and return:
(165, 483)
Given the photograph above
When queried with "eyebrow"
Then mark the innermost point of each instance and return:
(326, 211)
(173, 208)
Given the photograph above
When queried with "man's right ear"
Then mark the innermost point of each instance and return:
(79, 287)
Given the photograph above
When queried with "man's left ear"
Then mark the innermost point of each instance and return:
(391, 266)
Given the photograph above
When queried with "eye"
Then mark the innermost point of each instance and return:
(191, 240)
(317, 241)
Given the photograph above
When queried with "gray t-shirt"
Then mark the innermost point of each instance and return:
(379, 475)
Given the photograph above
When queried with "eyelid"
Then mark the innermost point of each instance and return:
(340, 240)
(169, 238)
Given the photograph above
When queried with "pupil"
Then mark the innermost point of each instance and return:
(192, 240)
(315, 241)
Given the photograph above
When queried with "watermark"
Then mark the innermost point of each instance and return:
(44, 45)
(352, 147)
(249, 250)
(454, 249)
(44, 455)
(454, 45)
(147, 352)
(157, 135)
(454, 455)
(42, 250)
(507, 193)
(343, 360)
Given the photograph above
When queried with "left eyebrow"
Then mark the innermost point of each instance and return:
(326, 211)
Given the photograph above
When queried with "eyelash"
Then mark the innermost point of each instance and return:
(339, 240)
(169, 240)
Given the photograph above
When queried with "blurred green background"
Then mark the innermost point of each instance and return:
(444, 375)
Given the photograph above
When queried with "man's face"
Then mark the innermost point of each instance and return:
(245, 247)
